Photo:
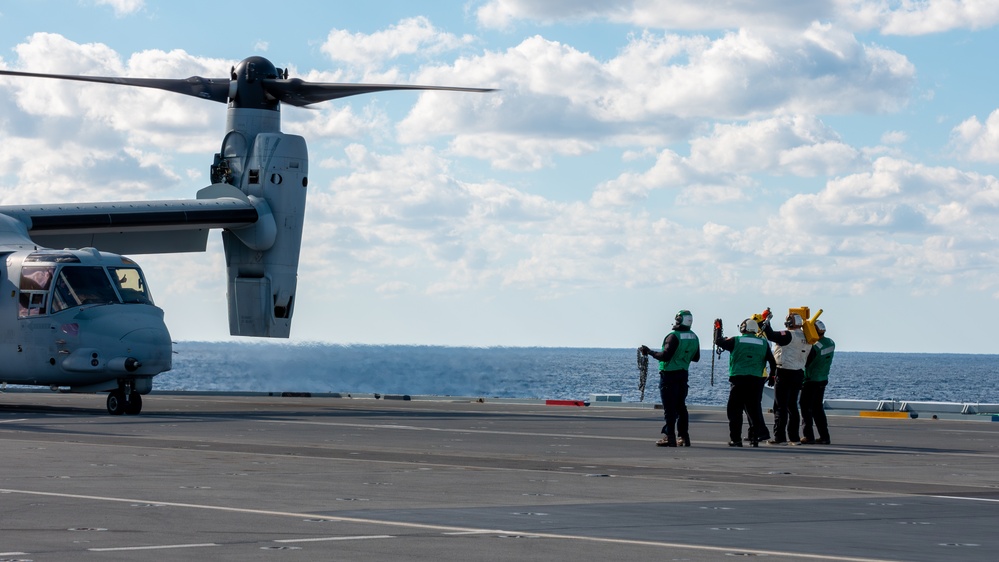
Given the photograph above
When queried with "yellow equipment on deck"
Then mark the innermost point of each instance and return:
(808, 324)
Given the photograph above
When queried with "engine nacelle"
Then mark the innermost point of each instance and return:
(262, 259)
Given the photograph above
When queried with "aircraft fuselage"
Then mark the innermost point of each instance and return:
(80, 321)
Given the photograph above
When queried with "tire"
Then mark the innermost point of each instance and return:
(116, 402)
(134, 405)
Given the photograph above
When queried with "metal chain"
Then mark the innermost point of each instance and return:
(643, 373)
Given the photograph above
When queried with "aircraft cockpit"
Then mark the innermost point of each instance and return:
(53, 281)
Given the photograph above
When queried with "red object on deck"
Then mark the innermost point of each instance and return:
(565, 403)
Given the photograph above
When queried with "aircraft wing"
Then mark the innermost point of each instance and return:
(133, 227)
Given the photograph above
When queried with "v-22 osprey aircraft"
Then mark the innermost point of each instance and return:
(76, 315)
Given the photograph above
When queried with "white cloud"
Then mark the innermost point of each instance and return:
(332, 121)
(405, 220)
(669, 171)
(654, 91)
(166, 119)
(977, 141)
(911, 221)
(412, 36)
(111, 140)
(796, 145)
(894, 137)
(682, 14)
(122, 8)
(517, 152)
(920, 17)
(896, 226)
(906, 17)
(82, 172)
(399, 213)
(721, 164)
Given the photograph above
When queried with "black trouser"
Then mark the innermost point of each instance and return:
(744, 395)
(761, 433)
(813, 393)
(786, 419)
(673, 392)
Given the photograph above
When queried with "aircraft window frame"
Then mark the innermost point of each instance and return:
(131, 291)
(51, 256)
(33, 288)
(75, 289)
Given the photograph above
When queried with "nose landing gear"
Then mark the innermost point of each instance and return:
(124, 400)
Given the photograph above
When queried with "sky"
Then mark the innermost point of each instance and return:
(639, 157)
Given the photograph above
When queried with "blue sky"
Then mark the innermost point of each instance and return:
(640, 157)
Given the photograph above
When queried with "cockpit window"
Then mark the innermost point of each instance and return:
(52, 288)
(35, 282)
(131, 285)
(80, 285)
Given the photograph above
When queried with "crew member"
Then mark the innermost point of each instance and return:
(813, 391)
(750, 353)
(791, 352)
(680, 347)
(763, 433)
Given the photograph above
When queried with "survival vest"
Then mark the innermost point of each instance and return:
(818, 369)
(793, 355)
(749, 356)
(688, 346)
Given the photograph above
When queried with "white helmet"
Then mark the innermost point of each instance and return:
(749, 326)
(793, 321)
(683, 320)
(820, 327)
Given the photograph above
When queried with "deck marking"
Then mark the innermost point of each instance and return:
(443, 430)
(153, 547)
(324, 539)
(966, 499)
(434, 527)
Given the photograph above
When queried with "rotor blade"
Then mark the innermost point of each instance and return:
(214, 89)
(298, 92)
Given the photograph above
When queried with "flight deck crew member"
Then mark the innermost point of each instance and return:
(813, 391)
(763, 433)
(750, 353)
(680, 347)
(791, 352)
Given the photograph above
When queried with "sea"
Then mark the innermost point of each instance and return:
(556, 373)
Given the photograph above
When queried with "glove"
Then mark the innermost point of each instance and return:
(718, 324)
(645, 350)
(771, 380)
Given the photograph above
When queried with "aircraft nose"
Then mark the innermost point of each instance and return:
(154, 335)
(151, 347)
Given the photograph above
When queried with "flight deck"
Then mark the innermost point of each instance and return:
(289, 478)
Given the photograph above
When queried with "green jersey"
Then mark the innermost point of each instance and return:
(749, 356)
(685, 351)
(818, 368)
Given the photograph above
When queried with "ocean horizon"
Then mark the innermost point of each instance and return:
(546, 373)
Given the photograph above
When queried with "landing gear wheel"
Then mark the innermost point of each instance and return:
(134, 405)
(116, 402)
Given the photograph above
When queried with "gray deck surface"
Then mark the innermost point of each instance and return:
(220, 477)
